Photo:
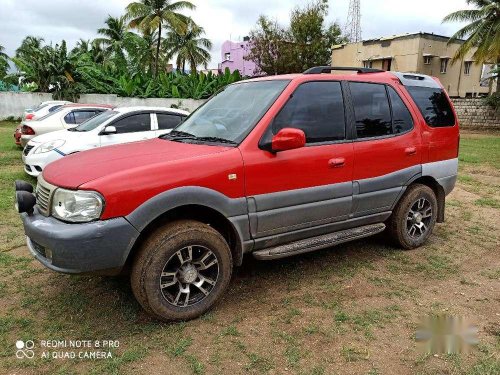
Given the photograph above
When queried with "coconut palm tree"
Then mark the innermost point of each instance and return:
(189, 46)
(115, 39)
(482, 32)
(4, 65)
(154, 14)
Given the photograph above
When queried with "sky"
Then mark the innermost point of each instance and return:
(71, 20)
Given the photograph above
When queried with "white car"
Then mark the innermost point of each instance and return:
(120, 125)
(43, 109)
(65, 117)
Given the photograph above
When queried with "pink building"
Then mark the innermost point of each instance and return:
(233, 57)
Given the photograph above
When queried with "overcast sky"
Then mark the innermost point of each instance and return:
(222, 19)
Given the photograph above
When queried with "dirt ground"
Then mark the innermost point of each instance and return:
(350, 309)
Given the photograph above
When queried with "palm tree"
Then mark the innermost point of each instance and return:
(189, 46)
(115, 38)
(154, 14)
(483, 32)
(4, 65)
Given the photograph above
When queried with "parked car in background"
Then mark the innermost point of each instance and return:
(39, 111)
(274, 167)
(43, 108)
(120, 125)
(65, 117)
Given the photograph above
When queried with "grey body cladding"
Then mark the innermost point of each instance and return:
(272, 219)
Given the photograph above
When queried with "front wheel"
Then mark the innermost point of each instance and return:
(413, 220)
(181, 270)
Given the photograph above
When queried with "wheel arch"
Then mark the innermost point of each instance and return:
(438, 191)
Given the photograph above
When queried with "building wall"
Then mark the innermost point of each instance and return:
(13, 104)
(237, 51)
(407, 54)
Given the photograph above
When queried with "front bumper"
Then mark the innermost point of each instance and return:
(100, 246)
(34, 164)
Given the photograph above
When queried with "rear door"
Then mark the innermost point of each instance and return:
(387, 147)
(167, 121)
(293, 192)
(130, 128)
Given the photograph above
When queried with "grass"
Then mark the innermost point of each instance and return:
(349, 309)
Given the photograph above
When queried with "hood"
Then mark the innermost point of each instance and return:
(80, 168)
(52, 136)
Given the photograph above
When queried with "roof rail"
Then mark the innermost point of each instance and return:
(327, 69)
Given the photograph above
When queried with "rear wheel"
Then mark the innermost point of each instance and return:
(414, 218)
(181, 270)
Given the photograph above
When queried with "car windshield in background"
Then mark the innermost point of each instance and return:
(231, 114)
(50, 114)
(94, 122)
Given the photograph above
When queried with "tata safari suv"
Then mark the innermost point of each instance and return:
(272, 167)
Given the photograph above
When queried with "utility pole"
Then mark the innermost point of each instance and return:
(352, 28)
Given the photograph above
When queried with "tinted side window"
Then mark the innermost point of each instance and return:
(317, 108)
(166, 121)
(54, 108)
(81, 116)
(70, 118)
(401, 117)
(134, 123)
(371, 109)
(434, 105)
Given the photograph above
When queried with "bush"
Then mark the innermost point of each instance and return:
(493, 100)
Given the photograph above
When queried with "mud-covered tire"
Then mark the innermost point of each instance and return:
(405, 224)
(160, 252)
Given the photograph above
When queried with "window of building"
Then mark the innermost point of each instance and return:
(135, 123)
(368, 64)
(371, 110)
(401, 117)
(434, 105)
(444, 65)
(427, 60)
(317, 108)
(227, 56)
(467, 66)
(167, 121)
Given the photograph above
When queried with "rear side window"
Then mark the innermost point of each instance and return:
(401, 117)
(317, 108)
(135, 123)
(434, 105)
(77, 117)
(168, 121)
(54, 108)
(371, 110)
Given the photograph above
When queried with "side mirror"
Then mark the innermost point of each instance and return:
(110, 129)
(288, 139)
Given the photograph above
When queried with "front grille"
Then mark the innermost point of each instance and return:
(38, 248)
(43, 196)
(27, 149)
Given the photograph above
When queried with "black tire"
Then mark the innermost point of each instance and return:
(405, 224)
(160, 252)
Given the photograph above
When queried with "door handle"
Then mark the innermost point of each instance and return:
(410, 151)
(336, 162)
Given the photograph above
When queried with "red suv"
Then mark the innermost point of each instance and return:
(274, 166)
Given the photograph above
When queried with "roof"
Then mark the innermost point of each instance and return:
(421, 34)
(81, 105)
(127, 109)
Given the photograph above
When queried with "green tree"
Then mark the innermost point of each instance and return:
(482, 32)
(154, 14)
(189, 46)
(305, 43)
(115, 38)
(4, 62)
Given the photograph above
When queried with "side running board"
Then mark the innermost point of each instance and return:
(319, 242)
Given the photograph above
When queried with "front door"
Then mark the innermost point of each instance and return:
(387, 149)
(308, 188)
(131, 128)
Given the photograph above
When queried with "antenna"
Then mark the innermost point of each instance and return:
(353, 25)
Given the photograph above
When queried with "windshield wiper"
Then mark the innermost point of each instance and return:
(177, 134)
(216, 140)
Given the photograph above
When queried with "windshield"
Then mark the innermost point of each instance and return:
(50, 114)
(233, 112)
(94, 122)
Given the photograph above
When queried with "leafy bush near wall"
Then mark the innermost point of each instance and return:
(493, 100)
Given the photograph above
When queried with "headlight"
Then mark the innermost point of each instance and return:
(49, 146)
(77, 206)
